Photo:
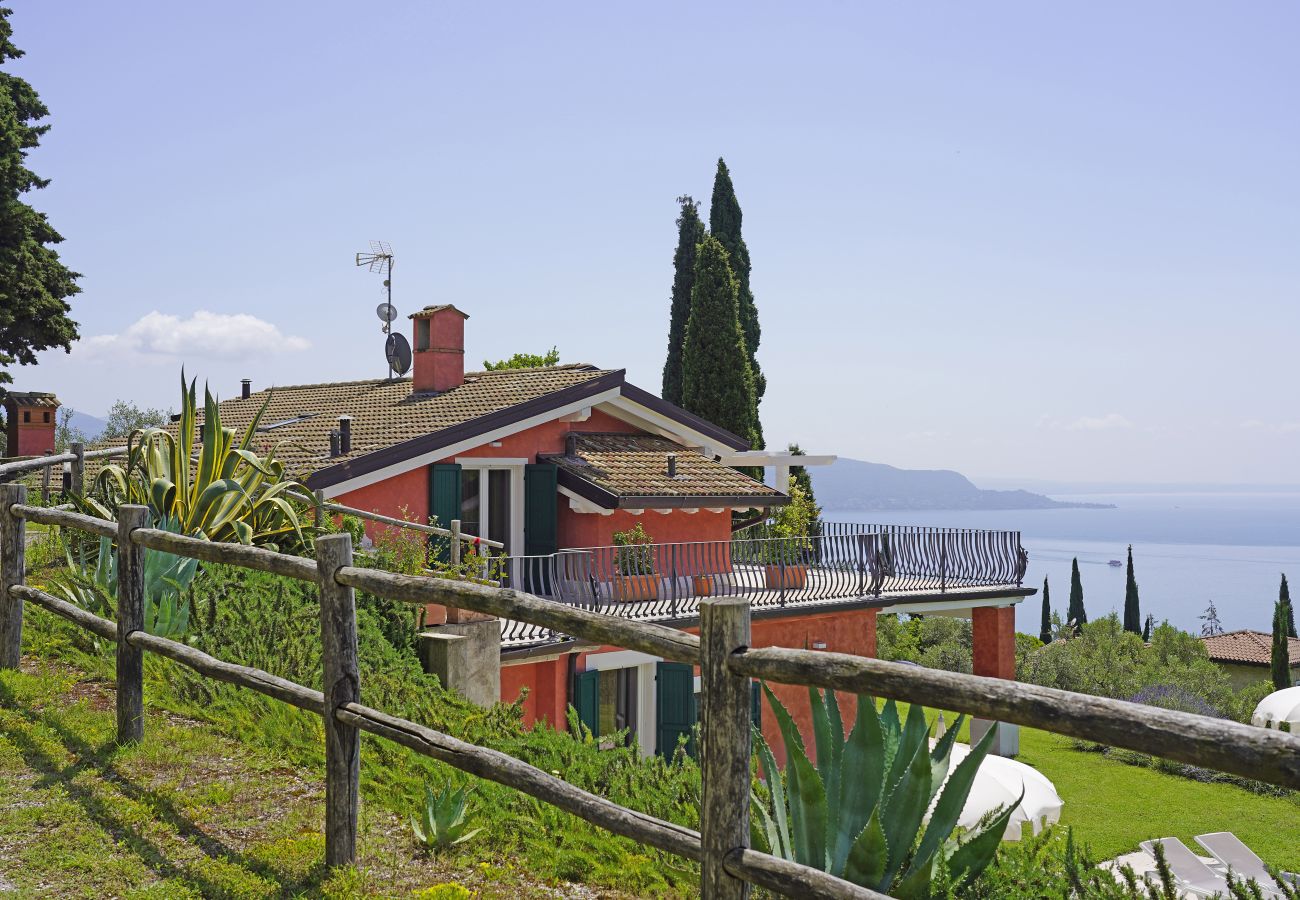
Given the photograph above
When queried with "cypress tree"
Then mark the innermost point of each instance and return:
(690, 231)
(1045, 629)
(1284, 595)
(34, 283)
(1132, 615)
(1280, 658)
(1075, 613)
(716, 381)
(1146, 628)
(724, 224)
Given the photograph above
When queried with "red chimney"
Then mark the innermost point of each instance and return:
(31, 418)
(439, 348)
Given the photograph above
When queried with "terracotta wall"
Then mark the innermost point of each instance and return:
(595, 530)
(548, 690)
(406, 495)
(33, 438)
(993, 639)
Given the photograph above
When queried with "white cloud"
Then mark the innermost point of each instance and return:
(1099, 423)
(203, 335)
(1271, 427)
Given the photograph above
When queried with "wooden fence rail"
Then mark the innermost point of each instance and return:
(726, 663)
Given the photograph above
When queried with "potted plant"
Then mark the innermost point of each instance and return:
(786, 552)
(634, 577)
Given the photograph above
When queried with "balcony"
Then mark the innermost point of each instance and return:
(841, 564)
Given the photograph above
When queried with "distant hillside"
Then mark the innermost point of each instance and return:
(854, 484)
(88, 425)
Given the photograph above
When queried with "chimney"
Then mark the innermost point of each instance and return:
(439, 349)
(345, 435)
(245, 388)
(672, 465)
(334, 443)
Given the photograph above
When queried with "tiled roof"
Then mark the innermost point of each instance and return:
(634, 467)
(1249, 647)
(299, 418)
(32, 398)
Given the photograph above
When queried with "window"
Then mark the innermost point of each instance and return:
(27, 415)
(471, 505)
(421, 334)
(47, 417)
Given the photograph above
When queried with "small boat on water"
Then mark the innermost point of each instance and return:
(1115, 562)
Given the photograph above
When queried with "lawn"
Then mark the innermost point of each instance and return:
(1112, 805)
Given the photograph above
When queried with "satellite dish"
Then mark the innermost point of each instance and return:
(386, 312)
(398, 351)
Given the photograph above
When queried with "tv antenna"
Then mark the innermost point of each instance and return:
(380, 259)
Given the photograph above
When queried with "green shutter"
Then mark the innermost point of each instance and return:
(674, 707)
(541, 510)
(444, 500)
(586, 699)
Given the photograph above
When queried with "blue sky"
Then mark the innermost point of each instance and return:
(1010, 238)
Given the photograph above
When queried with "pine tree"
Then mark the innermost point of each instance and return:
(716, 381)
(690, 231)
(1280, 658)
(1146, 628)
(1284, 594)
(724, 224)
(1132, 614)
(1045, 628)
(1075, 613)
(34, 284)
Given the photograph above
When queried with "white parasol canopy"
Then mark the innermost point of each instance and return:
(998, 783)
(1277, 707)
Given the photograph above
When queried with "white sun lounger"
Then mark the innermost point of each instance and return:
(1189, 871)
(1228, 849)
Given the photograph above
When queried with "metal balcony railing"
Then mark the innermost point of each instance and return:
(838, 563)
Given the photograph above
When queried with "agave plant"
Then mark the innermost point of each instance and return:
(443, 821)
(166, 576)
(216, 488)
(858, 813)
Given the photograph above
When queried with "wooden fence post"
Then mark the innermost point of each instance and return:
(78, 468)
(46, 475)
(455, 542)
(318, 514)
(338, 626)
(130, 617)
(13, 566)
(725, 741)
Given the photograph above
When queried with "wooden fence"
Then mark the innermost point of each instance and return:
(721, 651)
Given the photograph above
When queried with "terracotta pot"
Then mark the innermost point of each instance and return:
(702, 585)
(795, 577)
(636, 587)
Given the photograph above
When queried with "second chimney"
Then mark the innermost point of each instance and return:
(439, 349)
(345, 435)
(245, 388)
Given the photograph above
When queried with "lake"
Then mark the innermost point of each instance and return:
(1188, 549)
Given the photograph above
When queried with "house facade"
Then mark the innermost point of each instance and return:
(30, 420)
(1246, 657)
(557, 465)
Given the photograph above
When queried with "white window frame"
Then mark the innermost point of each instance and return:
(515, 466)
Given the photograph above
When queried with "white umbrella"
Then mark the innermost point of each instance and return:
(1277, 707)
(998, 783)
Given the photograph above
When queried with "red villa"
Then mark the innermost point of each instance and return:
(552, 462)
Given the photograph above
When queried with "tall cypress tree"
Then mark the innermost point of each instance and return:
(1132, 614)
(1045, 628)
(724, 224)
(1284, 595)
(690, 231)
(1280, 658)
(34, 284)
(1076, 613)
(1146, 628)
(716, 381)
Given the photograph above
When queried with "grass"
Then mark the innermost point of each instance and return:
(187, 813)
(1112, 805)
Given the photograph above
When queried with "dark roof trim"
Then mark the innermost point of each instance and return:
(689, 419)
(609, 500)
(399, 453)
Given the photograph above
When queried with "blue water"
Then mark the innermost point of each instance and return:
(1188, 549)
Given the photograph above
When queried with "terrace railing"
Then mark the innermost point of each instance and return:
(722, 651)
(838, 563)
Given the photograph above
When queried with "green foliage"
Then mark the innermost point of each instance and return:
(443, 821)
(1045, 626)
(1284, 595)
(937, 642)
(858, 811)
(34, 283)
(725, 227)
(690, 231)
(166, 577)
(717, 381)
(1132, 611)
(1280, 656)
(216, 488)
(125, 418)
(445, 891)
(524, 361)
(65, 433)
(635, 554)
(1075, 614)
(789, 535)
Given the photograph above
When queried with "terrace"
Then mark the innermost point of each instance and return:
(840, 565)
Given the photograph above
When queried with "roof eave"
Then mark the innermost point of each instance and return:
(684, 417)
